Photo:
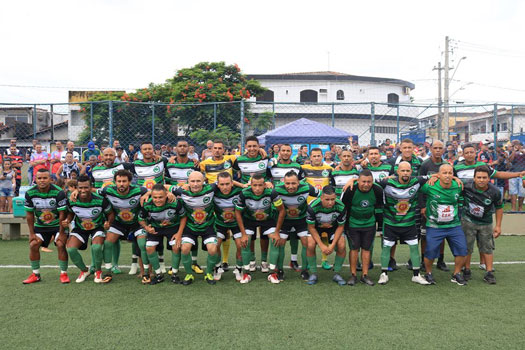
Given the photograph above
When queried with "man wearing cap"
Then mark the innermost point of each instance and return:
(90, 151)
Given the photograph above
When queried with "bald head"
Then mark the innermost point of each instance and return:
(404, 171)
(446, 167)
(446, 174)
(196, 181)
(438, 148)
(109, 156)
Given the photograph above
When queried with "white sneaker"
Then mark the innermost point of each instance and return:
(253, 266)
(265, 267)
(273, 278)
(383, 278)
(98, 277)
(162, 267)
(238, 274)
(246, 278)
(82, 277)
(483, 267)
(134, 269)
(217, 274)
(420, 280)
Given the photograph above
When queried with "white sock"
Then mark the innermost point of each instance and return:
(158, 271)
(293, 257)
(63, 271)
(37, 271)
(174, 270)
(193, 259)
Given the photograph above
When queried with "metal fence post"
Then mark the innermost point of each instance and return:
(242, 126)
(110, 107)
(397, 120)
(273, 115)
(511, 120)
(52, 123)
(153, 123)
(495, 123)
(373, 126)
(214, 116)
(333, 115)
(91, 121)
(34, 122)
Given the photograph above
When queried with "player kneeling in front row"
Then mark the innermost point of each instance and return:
(92, 215)
(160, 218)
(326, 214)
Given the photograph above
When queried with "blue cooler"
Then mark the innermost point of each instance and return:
(18, 202)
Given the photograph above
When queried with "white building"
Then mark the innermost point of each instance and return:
(510, 121)
(340, 99)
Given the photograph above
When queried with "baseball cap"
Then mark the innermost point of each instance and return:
(485, 142)
(91, 145)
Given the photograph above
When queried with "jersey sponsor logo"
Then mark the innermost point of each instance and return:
(44, 203)
(228, 215)
(292, 212)
(47, 217)
(123, 203)
(87, 224)
(476, 210)
(126, 215)
(402, 207)
(260, 215)
(149, 183)
(445, 213)
(199, 215)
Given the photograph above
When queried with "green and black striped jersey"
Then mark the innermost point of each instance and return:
(126, 207)
(164, 216)
(339, 178)
(380, 172)
(225, 207)
(102, 176)
(479, 206)
(90, 215)
(466, 172)
(258, 208)
(150, 173)
(45, 205)
(415, 162)
(251, 166)
(326, 218)
(278, 170)
(178, 173)
(199, 207)
(296, 203)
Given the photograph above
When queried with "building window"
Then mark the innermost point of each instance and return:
(384, 129)
(308, 96)
(393, 100)
(340, 95)
(266, 96)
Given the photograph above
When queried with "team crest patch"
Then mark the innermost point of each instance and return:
(149, 183)
(402, 207)
(133, 201)
(206, 200)
(487, 201)
(365, 203)
(156, 169)
(227, 165)
(325, 173)
(126, 215)
(228, 215)
(292, 212)
(260, 215)
(199, 216)
(261, 166)
(412, 191)
(47, 217)
(301, 199)
(95, 211)
(88, 225)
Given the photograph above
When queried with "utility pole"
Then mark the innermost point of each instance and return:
(446, 91)
(440, 104)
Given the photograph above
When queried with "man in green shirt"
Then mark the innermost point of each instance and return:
(302, 155)
(442, 212)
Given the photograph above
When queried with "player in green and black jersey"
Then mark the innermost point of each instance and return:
(407, 155)
(180, 167)
(294, 195)
(343, 172)
(161, 219)
(326, 214)
(256, 209)
(45, 206)
(92, 215)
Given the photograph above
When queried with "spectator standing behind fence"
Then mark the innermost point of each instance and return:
(16, 163)
(517, 164)
(501, 164)
(29, 153)
(39, 160)
(7, 187)
(121, 155)
(70, 147)
(484, 155)
(302, 155)
(56, 159)
(207, 152)
(192, 155)
(91, 150)
(451, 156)
(116, 146)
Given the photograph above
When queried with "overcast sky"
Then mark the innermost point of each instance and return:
(49, 47)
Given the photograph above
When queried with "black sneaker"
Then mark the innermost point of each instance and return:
(458, 279)
(225, 267)
(430, 278)
(352, 281)
(146, 279)
(409, 264)
(305, 275)
(366, 280)
(294, 265)
(392, 265)
(442, 266)
(359, 266)
(467, 274)
(157, 279)
(280, 275)
(175, 279)
(490, 278)
(107, 278)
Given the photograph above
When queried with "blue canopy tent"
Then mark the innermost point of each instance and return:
(305, 131)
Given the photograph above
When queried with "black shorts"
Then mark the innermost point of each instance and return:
(297, 227)
(125, 231)
(46, 233)
(155, 240)
(207, 236)
(83, 236)
(403, 234)
(361, 237)
(267, 228)
(223, 232)
(328, 231)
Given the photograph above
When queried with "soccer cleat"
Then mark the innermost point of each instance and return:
(246, 278)
(116, 270)
(107, 278)
(383, 278)
(134, 269)
(175, 279)
(188, 280)
(305, 275)
(162, 267)
(170, 272)
(339, 280)
(64, 278)
(98, 276)
(458, 279)
(209, 278)
(280, 275)
(482, 267)
(225, 267)
(326, 266)
(158, 278)
(420, 280)
(273, 278)
(82, 276)
(430, 278)
(489, 278)
(237, 271)
(366, 280)
(392, 265)
(146, 279)
(196, 268)
(352, 281)
(265, 268)
(34, 277)
(312, 279)
(217, 273)
(442, 266)
(294, 266)
(253, 266)
(467, 274)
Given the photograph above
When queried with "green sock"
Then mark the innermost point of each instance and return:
(264, 256)
(304, 259)
(338, 263)
(294, 244)
(154, 260)
(35, 264)
(414, 256)
(76, 258)
(280, 262)
(116, 254)
(252, 254)
(108, 251)
(175, 260)
(186, 261)
(97, 256)
(141, 241)
(211, 261)
(63, 265)
(195, 253)
(246, 255)
(238, 262)
(312, 264)
(274, 255)
(92, 255)
(385, 257)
